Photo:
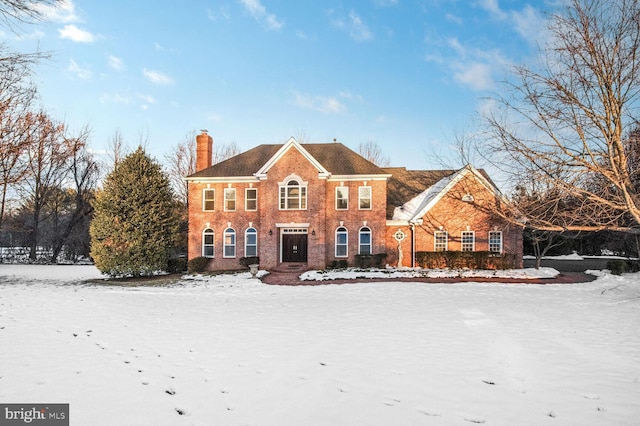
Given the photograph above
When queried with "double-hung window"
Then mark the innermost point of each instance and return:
(341, 242)
(229, 199)
(293, 196)
(208, 199)
(495, 242)
(229, 242)
(468, 240)
(364, 198)
(207, 243)
(251, 199)
(251, 242)
(342, 198)
(364, 241)
(440, 240)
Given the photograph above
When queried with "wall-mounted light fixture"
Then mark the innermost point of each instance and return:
(270, 232)
(313, 232)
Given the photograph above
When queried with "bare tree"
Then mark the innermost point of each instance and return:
(47, 169)
(223, 152)
(24, 11)
(372, 152)
(83, 176)
(181, 162)
(116, 149)
(565, 123)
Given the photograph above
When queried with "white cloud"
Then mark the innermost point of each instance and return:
(83, 73)
(157, 77)
(529, 24)
(323, 104)
(260, 14)
(76, 34)
(107, 98)
(146, 98)
(222, 14)
(354, 25)
(326, 105)
(493, 8)
(453, 18)
(115, 63)
(476, 75)
(385, 3)
(62, 11)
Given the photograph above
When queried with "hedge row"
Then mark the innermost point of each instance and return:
(464, 259)
(620, 266)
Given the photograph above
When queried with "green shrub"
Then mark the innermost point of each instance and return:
(618, 266)
(197, 265)
(249, 260)
(378, 260)
(364, 261)
(176, 264)
(464, 259)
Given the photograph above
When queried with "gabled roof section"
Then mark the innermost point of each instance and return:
(418, 205)
(404, 185)
(292, 143)
(330, 159)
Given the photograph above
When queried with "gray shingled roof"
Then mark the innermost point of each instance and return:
(335, 157)
(405, 185)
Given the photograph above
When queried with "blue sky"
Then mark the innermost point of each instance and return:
(406, 74)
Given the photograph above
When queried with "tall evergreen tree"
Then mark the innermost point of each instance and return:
(135, 222)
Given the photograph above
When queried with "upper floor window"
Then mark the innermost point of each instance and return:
(207, 243)
(251, 242)
(208, 199)
(495, 241)
(364, 241)
(293, 196)
(468, 241)
(251, 199)
(341, 242)
(342, 198)
(364, 198)
(229, 199)
(229, 243)
(440, 240)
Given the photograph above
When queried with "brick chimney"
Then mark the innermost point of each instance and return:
(204, 151)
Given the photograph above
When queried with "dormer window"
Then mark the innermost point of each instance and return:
(293, 195)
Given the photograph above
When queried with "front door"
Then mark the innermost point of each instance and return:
(294, 248)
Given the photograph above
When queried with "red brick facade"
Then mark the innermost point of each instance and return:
(314, 209)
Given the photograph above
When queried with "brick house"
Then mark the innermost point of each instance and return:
(316, 204)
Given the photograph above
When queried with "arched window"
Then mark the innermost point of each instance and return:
(364, 240)
(207, 243)
(293, 196)
(250, 242)
(341, 242)
(229, 242)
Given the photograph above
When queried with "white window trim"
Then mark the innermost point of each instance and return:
(338, 188)
(473, 240)
(246, 199)
(360, 232)
(204, 191)
(235, 199)
(360, 197)
(225, 245)
(285, 185)
(213, 244)
(346, 244)
(501, 241)
(246, 240)
(435, 240)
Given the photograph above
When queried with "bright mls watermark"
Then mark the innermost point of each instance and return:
(34, 414)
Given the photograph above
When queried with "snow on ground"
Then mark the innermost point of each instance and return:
(391, 273)
(230, 350)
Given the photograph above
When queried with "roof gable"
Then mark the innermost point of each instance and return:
(292, 143)
(419, 205)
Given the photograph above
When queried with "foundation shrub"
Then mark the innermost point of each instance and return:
(197, 265)
(464, 259)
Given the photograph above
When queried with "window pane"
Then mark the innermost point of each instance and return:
(208, 197)
(251, 200)
(364, 195)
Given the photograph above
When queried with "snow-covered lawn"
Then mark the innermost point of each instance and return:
(229, 350)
